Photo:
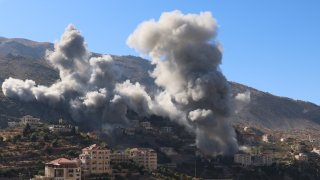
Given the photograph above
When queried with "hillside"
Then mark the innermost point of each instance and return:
(24, 59)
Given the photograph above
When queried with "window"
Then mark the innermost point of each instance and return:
(58, 173)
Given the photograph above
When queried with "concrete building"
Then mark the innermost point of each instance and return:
(243, 159)
(129, 131)
(61, 128)
(268, 138)
(146, 125)
(29, 120)
(13, 124)
(118, 157)
(63, 169)
(301, 157)
(95, 160)
(145, 157)
(262, 160)
(265, 159)
(166, 129)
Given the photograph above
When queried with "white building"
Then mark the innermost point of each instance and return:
(145, 157)
(255, 160)
(13, 124)
(95, 160)
(243, 159)
(301, 157)
(146, 125)
(61, 128)
(62, 169)
(29, 120)
(262, 160)
(268, 138)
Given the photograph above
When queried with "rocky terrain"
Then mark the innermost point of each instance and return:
(25, 59)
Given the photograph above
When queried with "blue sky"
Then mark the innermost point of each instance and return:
(270, 45)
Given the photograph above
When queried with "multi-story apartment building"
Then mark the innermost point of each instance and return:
(63, 169)
(95, 160)
(118, 157)
(244, 159)
(29, 120)
(144, 157)
(255, 160)
(262, 160)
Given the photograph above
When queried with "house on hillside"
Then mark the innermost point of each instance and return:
(146, 125)
(62, 128)
(32, 121)
(12, 124)
(61, 169)
(268, 138)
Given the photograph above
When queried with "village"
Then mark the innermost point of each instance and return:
(71, 154)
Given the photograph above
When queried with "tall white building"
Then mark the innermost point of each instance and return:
(95, 160)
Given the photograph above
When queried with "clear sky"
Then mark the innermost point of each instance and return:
(270, 45)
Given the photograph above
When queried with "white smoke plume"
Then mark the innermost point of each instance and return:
(88, 86)
(241, 100)
(191, 89)
(187, 69)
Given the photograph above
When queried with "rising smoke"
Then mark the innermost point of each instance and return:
(241, 100)
(187, 69)
(191, 89)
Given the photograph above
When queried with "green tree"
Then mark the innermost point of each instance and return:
(45, 137)
(33, 137)
(26, 130)
(16, 138)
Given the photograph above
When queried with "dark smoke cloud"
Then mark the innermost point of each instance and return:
(191, 89)
(187, 69)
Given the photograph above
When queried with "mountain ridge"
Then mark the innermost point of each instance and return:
(25, 59)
